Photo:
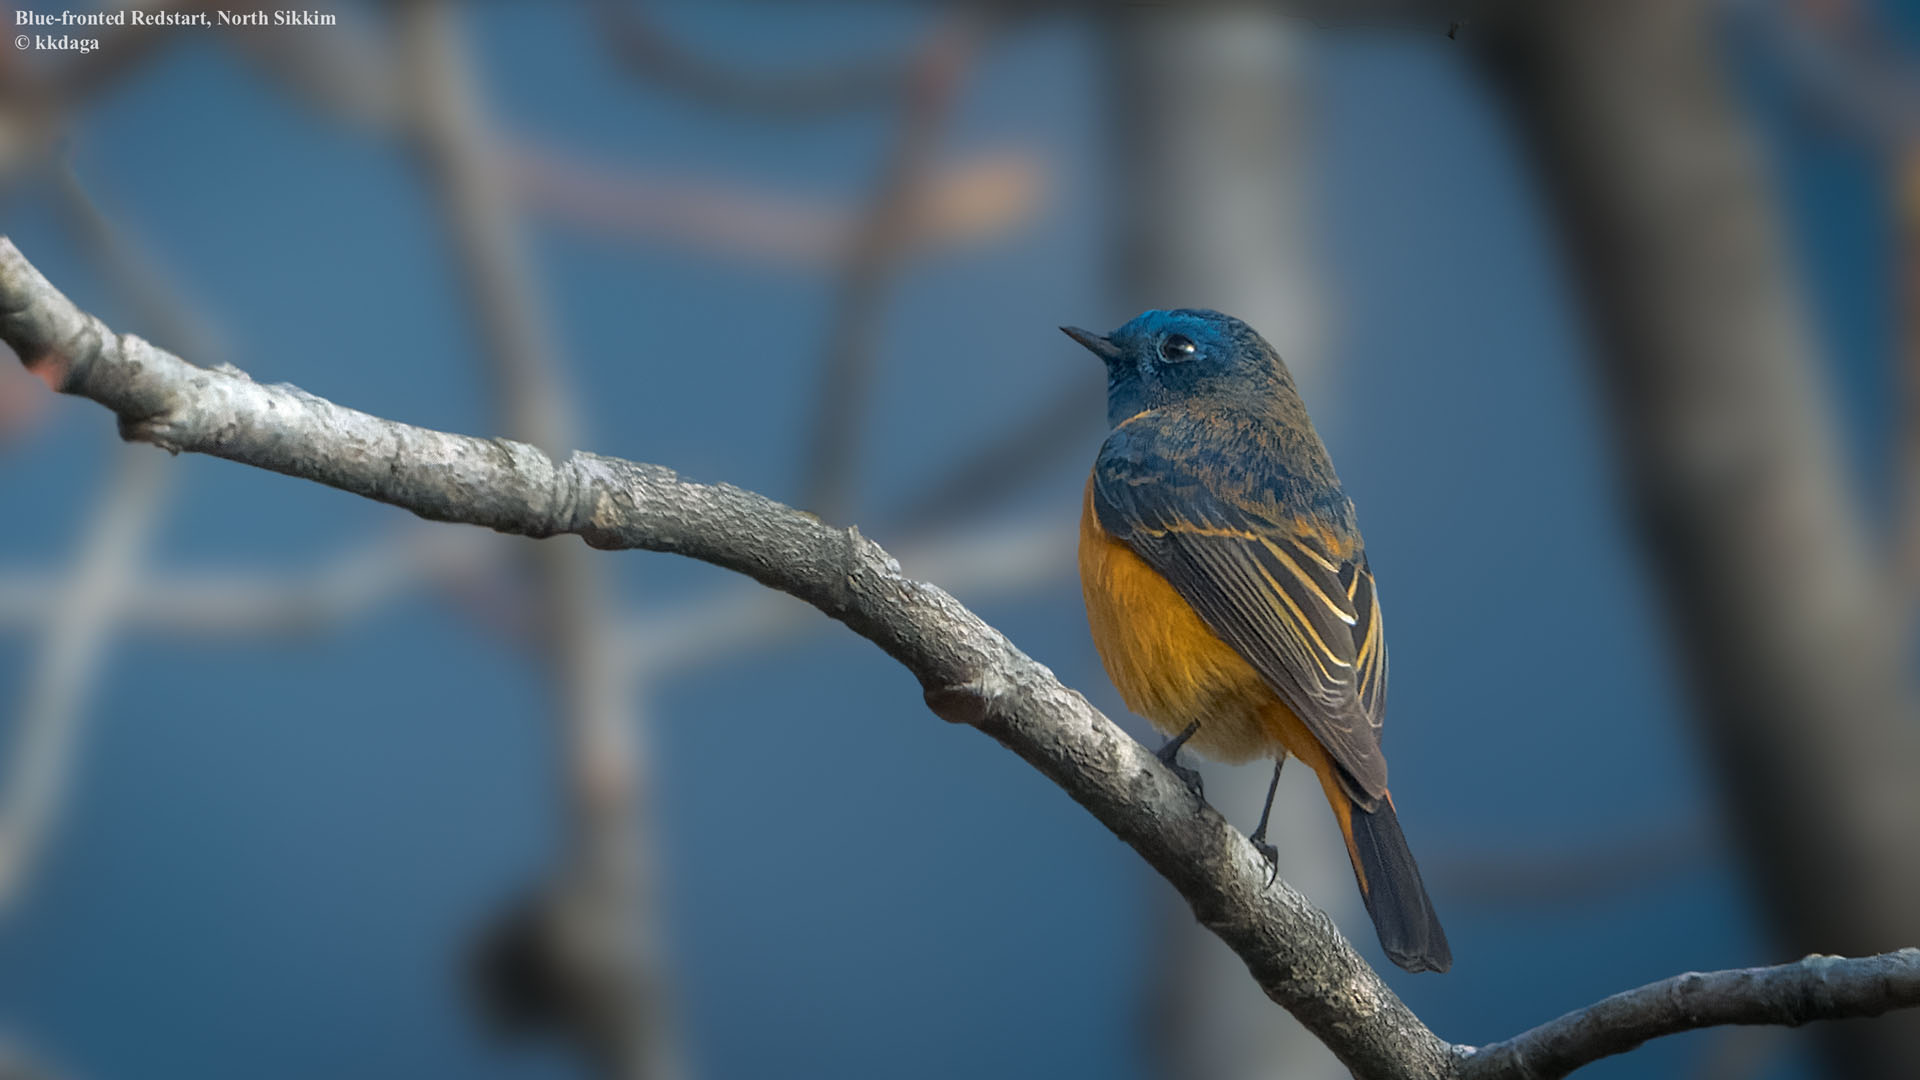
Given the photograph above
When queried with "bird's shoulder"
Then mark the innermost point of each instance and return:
(1221, 467)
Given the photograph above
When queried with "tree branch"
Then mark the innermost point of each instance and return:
(1816, 988)
(969, 672)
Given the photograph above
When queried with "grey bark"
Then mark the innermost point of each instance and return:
(1787, 995)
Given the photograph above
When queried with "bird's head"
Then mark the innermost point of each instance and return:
(1168, 358)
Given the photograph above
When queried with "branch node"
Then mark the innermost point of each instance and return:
(156, 429)
(975, 701)
(576, 497)
(855, 546)
(962, 704)
(1680, 994)
(1820, 998)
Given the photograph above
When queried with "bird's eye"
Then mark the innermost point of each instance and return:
(1176, 348)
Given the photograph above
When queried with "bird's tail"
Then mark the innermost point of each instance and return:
(1390, 883)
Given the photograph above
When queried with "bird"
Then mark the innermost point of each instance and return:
(1229, 594)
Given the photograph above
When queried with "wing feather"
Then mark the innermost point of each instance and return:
(1307, 619)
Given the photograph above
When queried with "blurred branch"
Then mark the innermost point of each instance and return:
(1004, 561)
(17, 1062)
(228, 602)
(969, 202)
(971, 674)
(142, 283)
(1435, 16)
(879, 247)
(1742, 1053)
(1906, 274)
(72, 78)
(53, 699)
(1211, 153)
(350, 74)
(590, 935)
(1061, 424)
(649, 53)
(80, 623)
(1843, 69)
(1575, 873)
(23, 402)
(36, 97)
(1784, 621)
(655, 642)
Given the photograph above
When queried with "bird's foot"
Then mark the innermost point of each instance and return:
(1259, 838)
(1169, 756)
(1268, 852)
(1189, 777)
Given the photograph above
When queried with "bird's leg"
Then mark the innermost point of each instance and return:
(1168, 753)
(1259, 838)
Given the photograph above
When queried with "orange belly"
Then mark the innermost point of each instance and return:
(1169, 666)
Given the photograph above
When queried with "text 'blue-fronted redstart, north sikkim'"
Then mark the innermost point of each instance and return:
(1229, 592)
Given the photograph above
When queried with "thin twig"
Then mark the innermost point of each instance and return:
(1817, 988)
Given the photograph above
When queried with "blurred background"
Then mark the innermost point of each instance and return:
(1609, 312)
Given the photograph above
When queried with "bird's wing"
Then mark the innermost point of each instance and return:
(1304, 614)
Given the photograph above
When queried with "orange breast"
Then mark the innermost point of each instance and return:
(1168, 666)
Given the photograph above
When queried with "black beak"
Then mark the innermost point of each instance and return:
(1093, 343)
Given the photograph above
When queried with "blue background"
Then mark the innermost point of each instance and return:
(278, 850)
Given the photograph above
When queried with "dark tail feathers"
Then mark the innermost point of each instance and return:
(1396, 899)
